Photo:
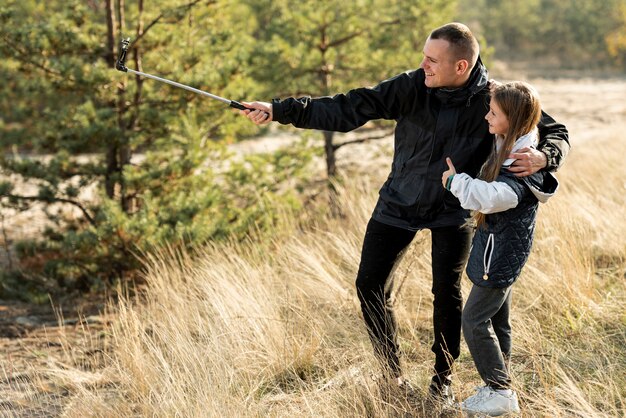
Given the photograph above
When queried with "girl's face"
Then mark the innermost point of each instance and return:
(498, 122)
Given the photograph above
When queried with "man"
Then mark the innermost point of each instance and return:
(439, 109)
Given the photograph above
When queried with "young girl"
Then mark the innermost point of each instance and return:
(505, 207)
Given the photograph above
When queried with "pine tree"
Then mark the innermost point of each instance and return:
(327, 47)
(71, 124)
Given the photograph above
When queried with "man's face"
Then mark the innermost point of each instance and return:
(439, 65)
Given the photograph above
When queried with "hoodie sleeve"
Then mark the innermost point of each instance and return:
(345, 112)
(553, 141)
(485, 197)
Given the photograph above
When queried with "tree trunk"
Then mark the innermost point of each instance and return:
(329, 150)
(123, 151)
(111, 151)
(331, 173)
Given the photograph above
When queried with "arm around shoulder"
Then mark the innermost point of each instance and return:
(553, 141)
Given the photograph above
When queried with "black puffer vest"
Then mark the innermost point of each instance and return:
(501, 246)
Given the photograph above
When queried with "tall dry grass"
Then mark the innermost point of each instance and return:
(274, 329)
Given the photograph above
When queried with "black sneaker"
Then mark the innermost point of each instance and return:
(441, 391)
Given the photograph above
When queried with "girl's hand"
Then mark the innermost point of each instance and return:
(448, 173)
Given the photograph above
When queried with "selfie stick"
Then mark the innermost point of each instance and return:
(121, 66)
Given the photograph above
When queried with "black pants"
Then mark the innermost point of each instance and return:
(382, 247)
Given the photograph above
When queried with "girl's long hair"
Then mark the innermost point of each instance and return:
(519, 102)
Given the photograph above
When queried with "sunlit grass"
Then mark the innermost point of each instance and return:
(273, 328)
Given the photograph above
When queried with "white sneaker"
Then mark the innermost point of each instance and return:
(491, 402)
(478, 397)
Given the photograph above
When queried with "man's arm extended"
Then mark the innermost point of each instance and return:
(342, 112)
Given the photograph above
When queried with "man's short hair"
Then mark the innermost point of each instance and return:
(462, 41)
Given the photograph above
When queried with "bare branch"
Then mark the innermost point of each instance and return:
(23, 56)
(344, 39)
(156, 20)
(364, 139)
(89, 218)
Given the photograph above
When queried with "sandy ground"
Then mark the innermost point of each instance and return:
(37, 345)
(45, 356)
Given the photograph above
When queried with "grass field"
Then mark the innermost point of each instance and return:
(273, 328)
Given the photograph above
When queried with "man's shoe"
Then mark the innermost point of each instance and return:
(441, 391)
(492, 402)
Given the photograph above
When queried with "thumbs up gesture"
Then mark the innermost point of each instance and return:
(448, 174)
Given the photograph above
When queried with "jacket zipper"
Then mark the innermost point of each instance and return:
(489, 248)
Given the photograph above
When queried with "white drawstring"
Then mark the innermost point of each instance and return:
(487, 258)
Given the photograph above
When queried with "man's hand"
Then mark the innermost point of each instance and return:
(449, 172)
(261, 116)
(527, 161)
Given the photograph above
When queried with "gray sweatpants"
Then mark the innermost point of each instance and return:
(487, 331)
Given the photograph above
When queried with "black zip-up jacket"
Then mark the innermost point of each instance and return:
(432, 124)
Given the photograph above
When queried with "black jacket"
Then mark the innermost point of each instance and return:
(501, 246)
(431, 124)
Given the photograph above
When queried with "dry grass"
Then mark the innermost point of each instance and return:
(274, 329)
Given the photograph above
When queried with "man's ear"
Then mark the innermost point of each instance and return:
(462, 66)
